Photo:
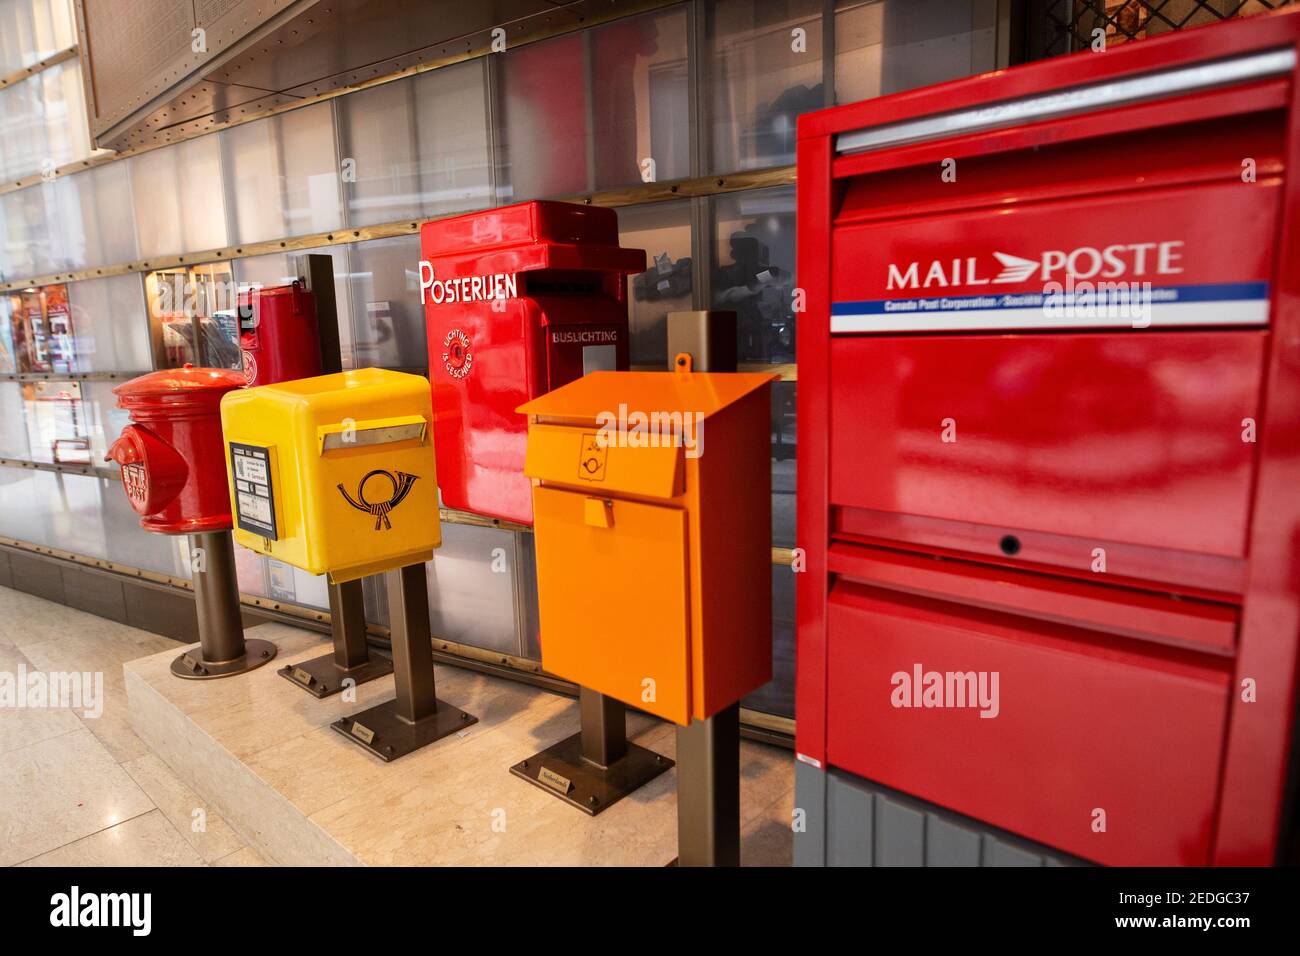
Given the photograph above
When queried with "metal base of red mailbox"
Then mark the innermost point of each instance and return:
(322, 677)
(382, 732)
(191, 665)
(561, 771)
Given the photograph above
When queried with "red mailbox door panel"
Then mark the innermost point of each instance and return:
(1077, 723)
(482, 369)
(1131, 437)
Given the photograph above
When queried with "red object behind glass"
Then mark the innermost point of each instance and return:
(278, 334)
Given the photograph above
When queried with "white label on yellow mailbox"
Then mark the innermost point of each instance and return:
(254, 499)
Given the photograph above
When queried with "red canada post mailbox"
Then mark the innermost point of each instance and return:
(1049, 399)
(172, 454)
(278, 334)
(519, 301)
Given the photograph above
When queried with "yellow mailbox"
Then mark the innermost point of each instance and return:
(652, 510)
(334, 473)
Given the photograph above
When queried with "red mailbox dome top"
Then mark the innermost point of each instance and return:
(179, 386)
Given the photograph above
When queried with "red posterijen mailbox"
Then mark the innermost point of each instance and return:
(519, 301)
(172, 454)
(278, 334)
(1049, 398)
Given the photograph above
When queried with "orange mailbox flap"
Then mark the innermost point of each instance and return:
(588, 459)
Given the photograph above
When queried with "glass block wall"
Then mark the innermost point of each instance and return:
(688, 90)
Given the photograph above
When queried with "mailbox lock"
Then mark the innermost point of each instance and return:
(1009, 544)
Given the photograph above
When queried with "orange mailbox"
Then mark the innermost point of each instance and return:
(652, 513)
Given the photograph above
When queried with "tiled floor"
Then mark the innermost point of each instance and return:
(84, 790)
(265, 754)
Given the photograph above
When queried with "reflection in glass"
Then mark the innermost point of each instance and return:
(753, 270)
(663, 230)
(783, 464)
(13, 423)
(57, 428)
(777, 695)
(111, 325)
(74, 507)
(178, 198)
(31, 30)
(280, 269)
(640, 99)
(765, 70)
(97, 224)
(603, 108)
(471, 602)
(29, 217)
(417, 147)
(387, 319)
(196, 313)
(281, 175)
(452, 139)
(131, 545)
(895, 45)
(42, 121)
(542, 139)
(40, 331)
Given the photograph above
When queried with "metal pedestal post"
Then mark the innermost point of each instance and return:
(708, 790)
(350, 661)
(596, 767)
(708, 751)
(416, 717)
(223, 651)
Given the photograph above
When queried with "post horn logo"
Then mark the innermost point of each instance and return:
(401, 483)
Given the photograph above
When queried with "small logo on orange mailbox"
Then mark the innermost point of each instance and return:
(591, 465)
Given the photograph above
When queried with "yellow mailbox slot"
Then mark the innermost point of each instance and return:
(334, 473)
(652, 509)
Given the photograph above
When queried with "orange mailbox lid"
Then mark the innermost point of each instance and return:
(179, 386)
(600, 393)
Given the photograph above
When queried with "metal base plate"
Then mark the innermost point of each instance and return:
(191, 665)
(561, 772)
(321, 677)
(380, 731)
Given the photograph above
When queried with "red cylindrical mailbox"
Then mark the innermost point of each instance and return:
(278, 335)
(172, 455)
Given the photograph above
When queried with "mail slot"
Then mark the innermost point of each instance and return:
(519, 301)
(334, 474)
(653, 560)
(1047, 379)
